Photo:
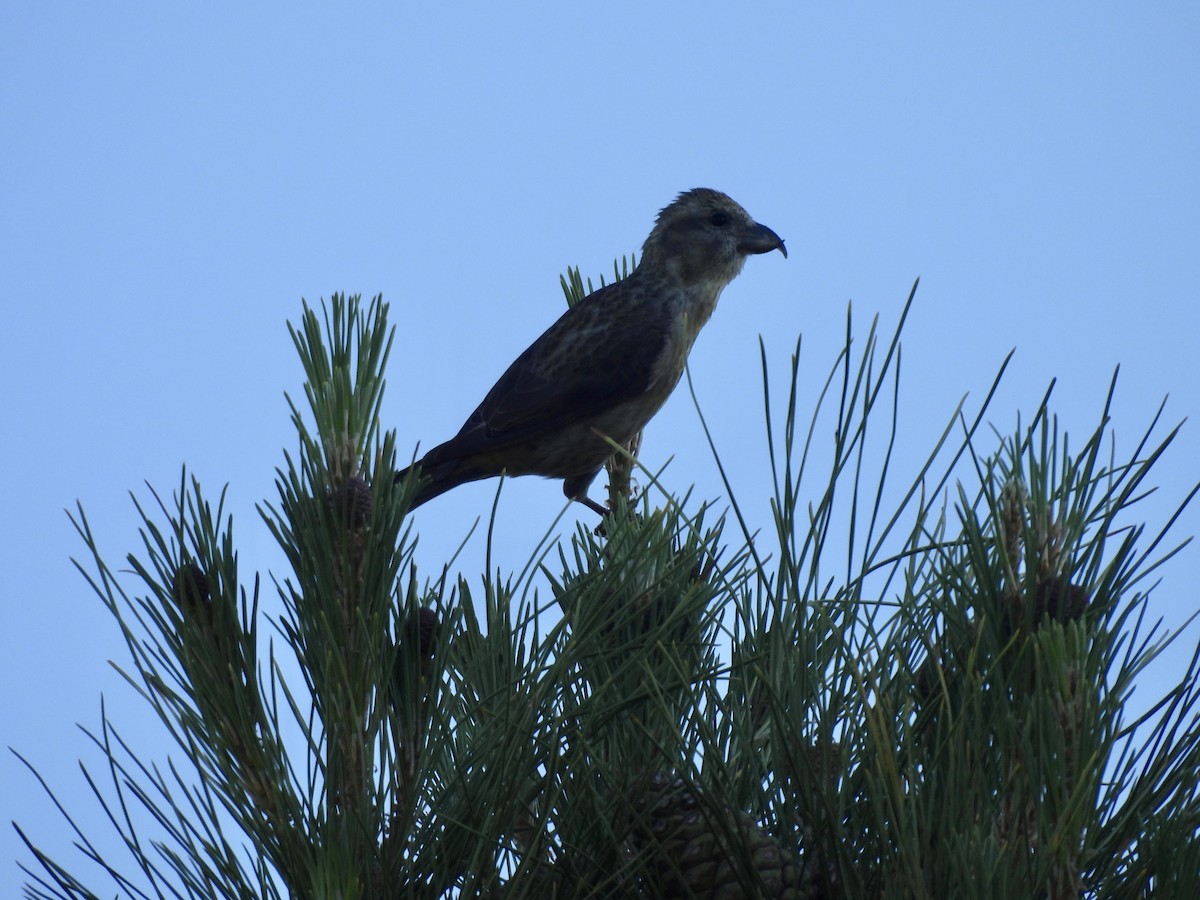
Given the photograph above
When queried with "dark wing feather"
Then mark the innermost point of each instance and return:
(599, 353)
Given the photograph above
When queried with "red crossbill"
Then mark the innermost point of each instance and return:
(609, 363)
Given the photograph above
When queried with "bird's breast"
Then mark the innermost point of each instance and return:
(689, 311)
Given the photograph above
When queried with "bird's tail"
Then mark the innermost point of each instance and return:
(436, 479)
(425, 491)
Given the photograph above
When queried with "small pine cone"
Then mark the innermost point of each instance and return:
(687, 854)
(1057, 598)
(927, 677)
(192, 592)
(428, 624)
(353, 503)
(420, 633)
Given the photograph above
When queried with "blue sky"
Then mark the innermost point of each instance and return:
(177, 179)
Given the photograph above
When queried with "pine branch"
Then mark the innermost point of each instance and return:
(916, 684)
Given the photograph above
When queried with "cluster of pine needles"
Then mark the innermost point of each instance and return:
(909, 685)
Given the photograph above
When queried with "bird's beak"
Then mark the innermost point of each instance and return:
(760, 239)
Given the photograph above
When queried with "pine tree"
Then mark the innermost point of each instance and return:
(906, 691)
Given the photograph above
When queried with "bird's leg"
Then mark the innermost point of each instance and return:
(603, 511)
(576, 489)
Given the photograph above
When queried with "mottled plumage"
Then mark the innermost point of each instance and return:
(609, 363)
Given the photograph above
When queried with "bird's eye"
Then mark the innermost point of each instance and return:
(719, 219)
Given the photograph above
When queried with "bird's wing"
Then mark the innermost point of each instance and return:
(599, 353)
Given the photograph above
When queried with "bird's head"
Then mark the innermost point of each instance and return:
(705, 236)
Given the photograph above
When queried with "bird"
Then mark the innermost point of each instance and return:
(609, 363)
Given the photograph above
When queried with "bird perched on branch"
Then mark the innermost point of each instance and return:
(609, 363)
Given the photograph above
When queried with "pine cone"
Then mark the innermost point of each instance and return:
(1057, 598)
(686, 849)
(420, 634)
(192, 592)
(353, 503)
(214, 625)
(427, 626)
